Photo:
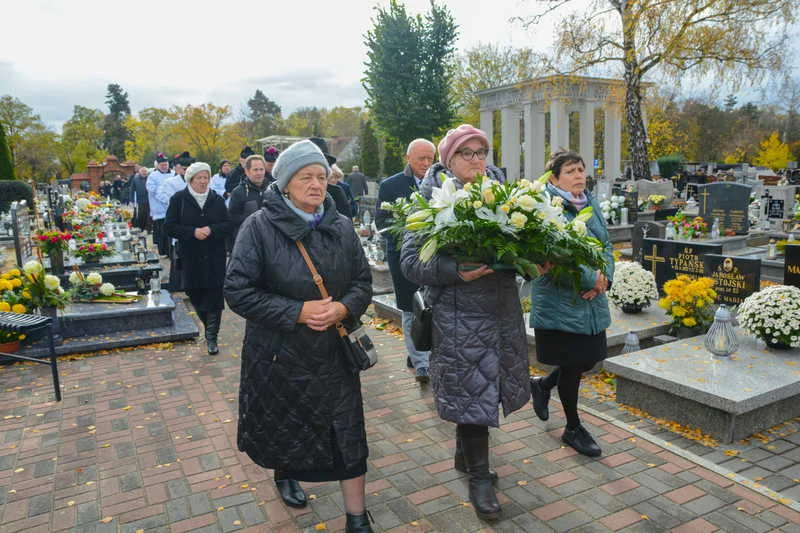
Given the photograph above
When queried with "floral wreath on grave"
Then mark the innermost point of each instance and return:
(90, 288)
(53, 240)
(691, 228)
(508, 226)
(92, 251)
(688, 300)
(633, 285)
(772, 315)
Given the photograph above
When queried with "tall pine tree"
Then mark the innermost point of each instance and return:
(114, 131)
(369, 157)
(6, 163)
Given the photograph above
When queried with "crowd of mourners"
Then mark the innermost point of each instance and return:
(239, 236)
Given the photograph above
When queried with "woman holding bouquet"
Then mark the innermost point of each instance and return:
(570, 324)
(479, 358)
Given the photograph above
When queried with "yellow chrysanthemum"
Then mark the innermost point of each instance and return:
(4, 306)
(18, 308)
(679, 311)
(689, 322)
(14, 272)
(16, 282)
(26, 294)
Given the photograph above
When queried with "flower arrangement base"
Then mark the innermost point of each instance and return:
(632, 309)
(778, 345)
(685, 333)
(9, 347)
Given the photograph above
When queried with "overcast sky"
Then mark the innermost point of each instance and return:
(165, 52)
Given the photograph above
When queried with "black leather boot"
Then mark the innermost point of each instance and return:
(541, 397)
(481, 491)
(460, 465)
(358, 523)
(290, 491)
(212, 329)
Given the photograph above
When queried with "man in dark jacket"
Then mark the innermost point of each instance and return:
(237, 174)
(357, 182)
(336, 192)
(246, 198)
(419, 157)
(138, 197)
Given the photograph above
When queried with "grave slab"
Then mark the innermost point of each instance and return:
(729, 398)
(82, 319)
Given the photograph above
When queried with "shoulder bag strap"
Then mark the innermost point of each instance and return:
(318, 281)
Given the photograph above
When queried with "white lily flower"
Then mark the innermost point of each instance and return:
(446, 198)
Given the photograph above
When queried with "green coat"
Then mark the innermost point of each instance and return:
(558, 306)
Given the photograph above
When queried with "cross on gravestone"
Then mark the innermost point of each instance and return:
(643, 230)
(791, 265)
(729, 202)
(736, 277)
(21, 227)
(667, 259)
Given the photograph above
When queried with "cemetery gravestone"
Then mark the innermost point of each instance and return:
(642, 230)
(21, 226)
(781, 203)
(736, 277)
(729, 202)
(647, 188)
(791, 265)
(632, 203)
(667, 259)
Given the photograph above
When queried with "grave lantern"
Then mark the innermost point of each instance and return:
(721, 339)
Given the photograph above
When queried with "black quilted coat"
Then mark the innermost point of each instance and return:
(296, 393)
(479, 358)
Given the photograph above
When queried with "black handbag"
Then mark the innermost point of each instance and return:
(421, 322)
(357, 347)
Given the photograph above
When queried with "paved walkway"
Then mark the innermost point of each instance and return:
(145, 440)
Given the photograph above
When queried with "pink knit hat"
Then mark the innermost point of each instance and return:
(455, 138)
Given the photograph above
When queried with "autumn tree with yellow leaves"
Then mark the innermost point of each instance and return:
(773, 154)
(671, 37)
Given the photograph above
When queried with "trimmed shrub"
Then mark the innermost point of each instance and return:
(13, 190)
(669, 165)
(6, 163)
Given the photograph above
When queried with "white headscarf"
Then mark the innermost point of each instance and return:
(193, 169)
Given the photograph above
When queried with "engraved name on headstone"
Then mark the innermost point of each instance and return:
(736, 277)
(726, 201)
(667, 259)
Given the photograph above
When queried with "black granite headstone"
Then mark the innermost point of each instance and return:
(653, 230)
(662, 214)
(791, 265)
(632, 203)
(736, 277)
(729, 202)
(21, 226)
(667, 259)
(775, 209)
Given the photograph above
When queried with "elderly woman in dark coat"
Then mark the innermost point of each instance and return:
(300, 406)
(479, 359)
(198, 219)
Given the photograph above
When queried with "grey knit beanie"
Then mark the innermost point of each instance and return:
(299, 155)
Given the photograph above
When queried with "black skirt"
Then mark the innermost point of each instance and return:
(206, 299)
(558, 348)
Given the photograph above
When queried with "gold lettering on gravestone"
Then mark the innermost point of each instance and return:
(687, 262)
(794, 269)
(730, 282)
(654, 258)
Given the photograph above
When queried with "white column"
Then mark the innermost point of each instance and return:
(587, 135)
(487, 125)
(559, 125)
(509, 120)
(533, 118)
(612, 142)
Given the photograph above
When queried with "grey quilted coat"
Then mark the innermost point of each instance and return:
(296, 394)
(479, 358)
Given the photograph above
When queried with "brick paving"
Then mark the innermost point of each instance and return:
(145, 440)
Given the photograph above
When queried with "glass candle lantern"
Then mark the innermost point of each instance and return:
(721, 339)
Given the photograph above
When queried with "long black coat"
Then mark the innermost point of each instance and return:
(296, 392)
(202, 262)
(401, 185)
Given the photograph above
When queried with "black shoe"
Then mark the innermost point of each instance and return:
(358, 523)
(213, 348)
(581, 441)
(409, 364)
(481, 492)
(422, 375)
(213, 319)
(541, 398)
(291, 493)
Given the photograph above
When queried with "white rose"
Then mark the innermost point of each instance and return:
(74, 278)
(33, 267)
(106, 289)
(579, 226)
(51, 282)
(526, 202)
(518, 220)
(94, 278)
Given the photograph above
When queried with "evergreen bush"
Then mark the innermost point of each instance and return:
(13, 190)
(6, 163)
(669, 165)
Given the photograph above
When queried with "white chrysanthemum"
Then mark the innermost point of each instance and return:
(94, 278)
(74, 278)
(106, 289)
(51, 282)
(772, 314)
(632, 285)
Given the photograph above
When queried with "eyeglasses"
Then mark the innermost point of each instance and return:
(469, 155)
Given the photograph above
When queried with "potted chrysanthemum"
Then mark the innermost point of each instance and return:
(633, 288)
(773, 315)
(687, 302)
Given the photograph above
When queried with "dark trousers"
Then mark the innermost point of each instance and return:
(142, 218)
